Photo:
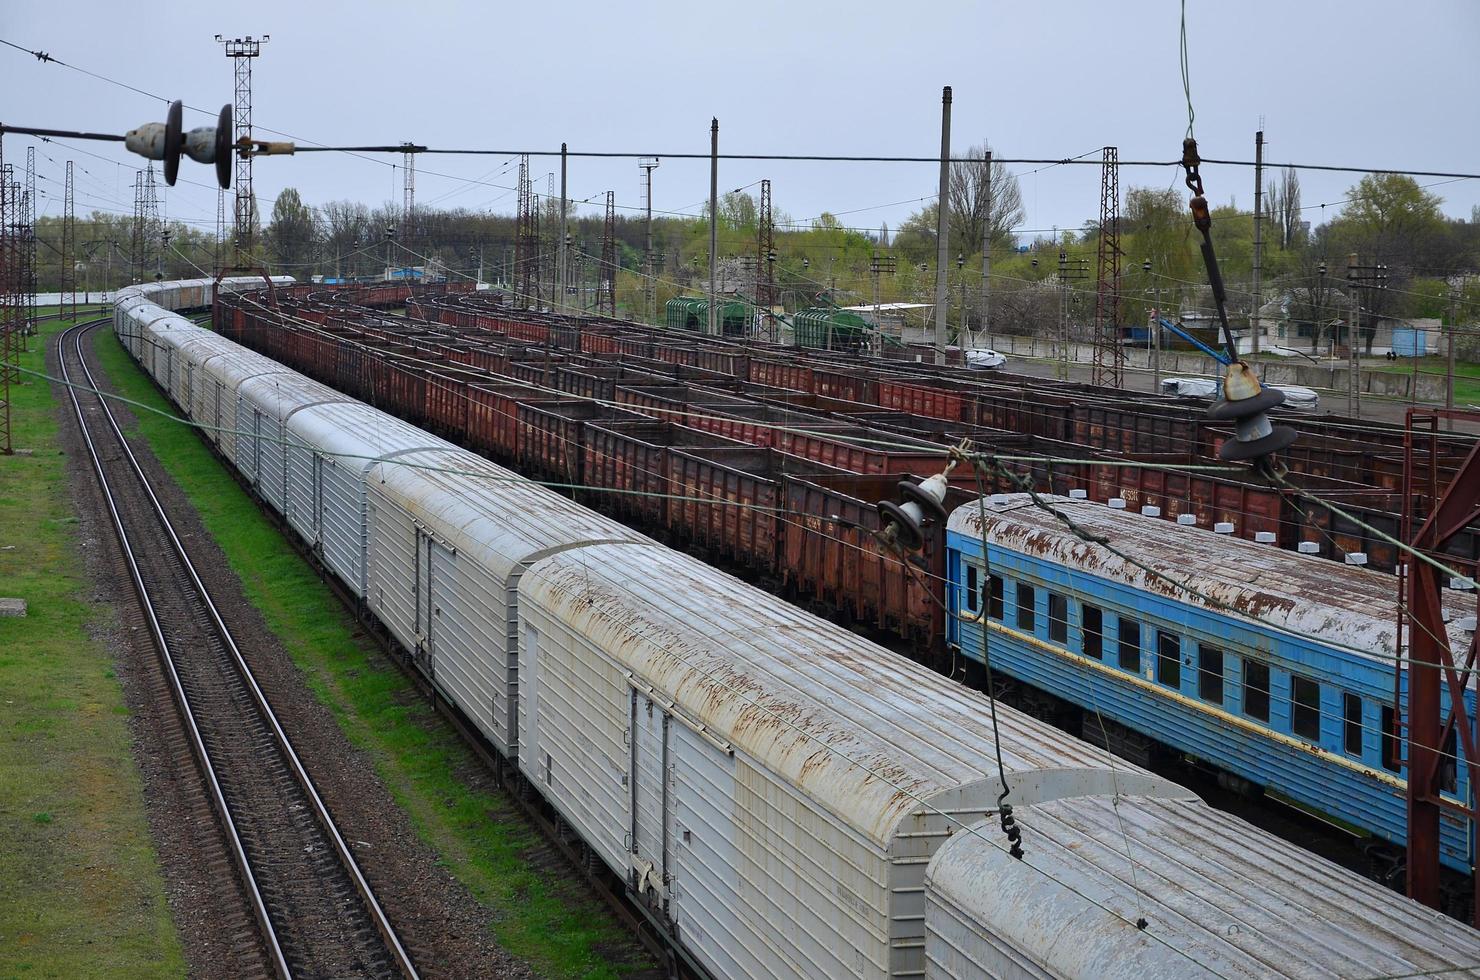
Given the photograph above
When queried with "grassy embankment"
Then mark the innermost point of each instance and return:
(80, 888)
(555, 924)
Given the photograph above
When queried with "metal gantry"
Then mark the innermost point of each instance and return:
(1109, 359)
(242, 50)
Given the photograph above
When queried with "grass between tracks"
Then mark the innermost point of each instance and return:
(550, 921)
(81, 893)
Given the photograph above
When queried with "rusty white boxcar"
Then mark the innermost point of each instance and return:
(771, 784)
(450, 535)
(330, 450)
(1218, 897)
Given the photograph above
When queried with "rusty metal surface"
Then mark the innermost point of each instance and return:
(1221, 899)
(851, 725)
(1302, 594)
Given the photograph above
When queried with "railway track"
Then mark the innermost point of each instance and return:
(314, 912)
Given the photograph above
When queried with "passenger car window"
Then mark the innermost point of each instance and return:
(1351, 710)
(1210, 673)
(1025, 598)
(1058, 618)
(1130, 645)
(1092, 629)
(1305, 707)
(1256, 690)
(1169, 658)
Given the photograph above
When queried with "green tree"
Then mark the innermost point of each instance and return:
(293, 234)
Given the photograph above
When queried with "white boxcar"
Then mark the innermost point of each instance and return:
(230, 370)
(1220, 898)
(450, 536)
(266, 401)
(772, 784)
(330, 449)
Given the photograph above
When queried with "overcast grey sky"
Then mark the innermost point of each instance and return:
(1357, 82)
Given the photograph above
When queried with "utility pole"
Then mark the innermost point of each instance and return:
(1069, 271)
(1109, 363)
(561, 257)
(1454, 292)
(1255, 324)
(649, 285)
(1359, 277)
(714, 319)
(964, 337)
(942, 225)
(241, 51)
(986, 303)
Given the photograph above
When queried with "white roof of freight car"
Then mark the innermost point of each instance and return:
(1221, 898)
(1345, 605)
(148, 290)
(493, 515)
(863, 731)
(280, 394)
(358, 433)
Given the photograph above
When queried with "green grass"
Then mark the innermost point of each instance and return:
(1466, 374)
(554, 923)
(81, 893)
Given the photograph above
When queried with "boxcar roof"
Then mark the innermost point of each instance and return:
(1221, 898)
(1344, 605)
(492, 514)
(861, 730)
(358, 433)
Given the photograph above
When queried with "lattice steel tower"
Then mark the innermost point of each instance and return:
(11, 312)
(526, 239)
(1109, 359)
(408, 190)
(136, 242)
(221, 230)
(241, 50)
(69, 251)
(765, 256)
(606, 290)
(29, 285)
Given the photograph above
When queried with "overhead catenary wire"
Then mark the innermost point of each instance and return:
(755, 703)
(1016, 479)
(484, 476)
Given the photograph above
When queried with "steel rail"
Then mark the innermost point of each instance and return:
(381, 921)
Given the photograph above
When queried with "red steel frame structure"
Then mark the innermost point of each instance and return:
(1432, 665)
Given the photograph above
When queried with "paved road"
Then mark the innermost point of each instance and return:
(1372, 407)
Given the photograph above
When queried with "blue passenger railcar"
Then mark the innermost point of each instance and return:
(1278, 671)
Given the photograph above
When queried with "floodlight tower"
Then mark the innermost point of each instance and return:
(241, 50)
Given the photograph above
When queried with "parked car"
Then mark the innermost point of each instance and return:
(1298, 398)
(982, 358)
